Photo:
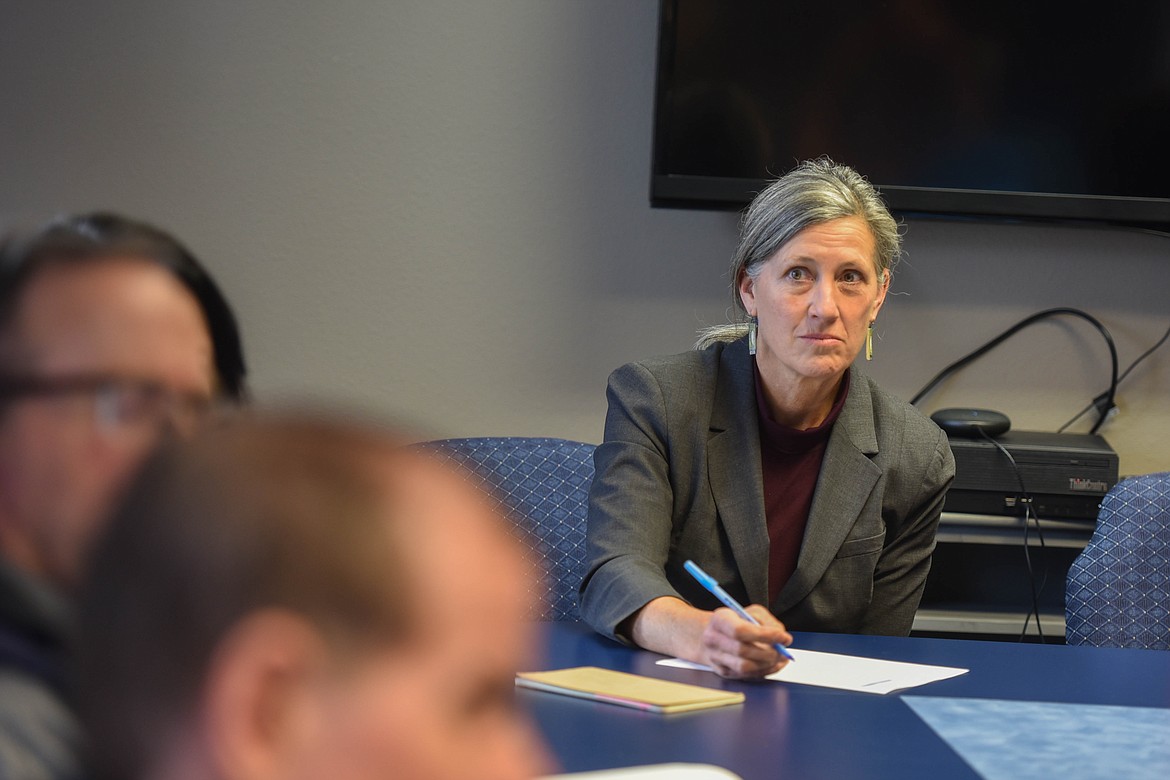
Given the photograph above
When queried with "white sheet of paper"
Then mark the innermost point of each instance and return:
(654, 771)
(848, 672)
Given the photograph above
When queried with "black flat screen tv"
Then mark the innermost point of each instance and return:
(1016, 108)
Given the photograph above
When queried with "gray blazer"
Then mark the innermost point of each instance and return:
(679, 476)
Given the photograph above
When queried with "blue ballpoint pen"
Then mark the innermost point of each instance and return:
(708, 582)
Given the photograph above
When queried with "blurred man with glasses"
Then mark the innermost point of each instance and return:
(112, 335)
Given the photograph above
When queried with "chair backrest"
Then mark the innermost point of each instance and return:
(543, 487)
(1118, 592)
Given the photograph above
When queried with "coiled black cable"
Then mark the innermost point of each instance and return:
(1106, 403)
(1120, 379)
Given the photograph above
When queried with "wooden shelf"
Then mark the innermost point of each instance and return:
(978, 583)
(993, 623)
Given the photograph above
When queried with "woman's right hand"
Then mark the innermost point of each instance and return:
(730, 645)
(736, 649)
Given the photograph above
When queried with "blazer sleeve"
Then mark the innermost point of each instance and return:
(628, 536)
(900, 576)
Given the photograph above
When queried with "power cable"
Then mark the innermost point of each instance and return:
(1106, 404)
(1120, 379)
(1029, 511)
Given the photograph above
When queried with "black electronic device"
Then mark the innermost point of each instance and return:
(1064, 475)
(1029, 109)
(972, 423)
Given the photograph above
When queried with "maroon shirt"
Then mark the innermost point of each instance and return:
(791, 461)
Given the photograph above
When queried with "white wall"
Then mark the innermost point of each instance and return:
(437, 210)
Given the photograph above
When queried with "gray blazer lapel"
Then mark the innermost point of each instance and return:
(733, 468)
(847, 479)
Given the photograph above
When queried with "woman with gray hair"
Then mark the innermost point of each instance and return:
(765, 456)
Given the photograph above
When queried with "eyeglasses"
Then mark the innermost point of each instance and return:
(120, 404)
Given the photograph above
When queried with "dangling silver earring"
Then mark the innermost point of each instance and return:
(752, 324)
(869, 342)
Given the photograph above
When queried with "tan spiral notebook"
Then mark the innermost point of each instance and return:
(627, 690)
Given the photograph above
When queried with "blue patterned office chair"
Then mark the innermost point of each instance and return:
(1118, 592)
(543, 485)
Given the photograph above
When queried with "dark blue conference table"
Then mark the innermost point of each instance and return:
(805, 732)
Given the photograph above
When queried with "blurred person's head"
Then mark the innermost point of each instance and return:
(284, 598)
(111, 333)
